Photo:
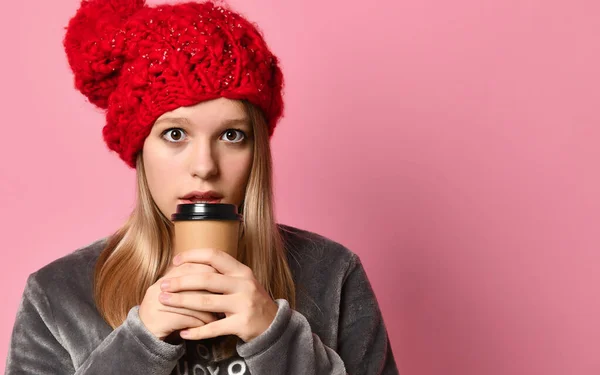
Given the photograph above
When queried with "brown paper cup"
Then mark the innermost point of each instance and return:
(206, 225)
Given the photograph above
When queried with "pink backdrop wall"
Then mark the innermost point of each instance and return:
(452, 145)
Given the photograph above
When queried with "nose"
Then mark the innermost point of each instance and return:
(202, 160)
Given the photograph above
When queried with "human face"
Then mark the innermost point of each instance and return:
(205, 147)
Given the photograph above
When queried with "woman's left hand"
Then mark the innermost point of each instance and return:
(234, 291)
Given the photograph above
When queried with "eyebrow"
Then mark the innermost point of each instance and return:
(185, 121)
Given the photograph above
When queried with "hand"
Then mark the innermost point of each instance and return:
(162, 320)
(248, 309)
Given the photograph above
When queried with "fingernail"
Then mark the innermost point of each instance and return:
(185, 333)
(177, 259)
(165, 285)
(164, 297)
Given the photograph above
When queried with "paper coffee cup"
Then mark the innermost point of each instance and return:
(206, 225)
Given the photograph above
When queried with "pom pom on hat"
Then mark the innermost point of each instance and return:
(138, 62)
(95, 46)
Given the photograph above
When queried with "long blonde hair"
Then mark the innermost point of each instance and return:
(139, 252)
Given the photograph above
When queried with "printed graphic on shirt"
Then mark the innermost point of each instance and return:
(198, 361)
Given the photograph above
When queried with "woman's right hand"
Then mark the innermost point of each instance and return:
(163, 320)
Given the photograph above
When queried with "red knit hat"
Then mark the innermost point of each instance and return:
(138, 62)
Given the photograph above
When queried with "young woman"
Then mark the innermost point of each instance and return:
(192, 95)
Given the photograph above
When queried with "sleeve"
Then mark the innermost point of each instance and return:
(35, 346)
(289, 346)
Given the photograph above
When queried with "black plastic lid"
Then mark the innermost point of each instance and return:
(206, 211)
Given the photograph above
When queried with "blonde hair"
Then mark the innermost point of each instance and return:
(139, 252)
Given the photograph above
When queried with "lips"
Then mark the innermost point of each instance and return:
(200, 200)
(202, 197)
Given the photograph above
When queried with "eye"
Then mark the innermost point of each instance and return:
(233, 135)
(173, 135)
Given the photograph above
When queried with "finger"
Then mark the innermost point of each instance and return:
(188, 269)
(205, 316)
(179, 321)
(199, 301)
(221, 327)
(199, 317)
(211, 282)
(219, 260)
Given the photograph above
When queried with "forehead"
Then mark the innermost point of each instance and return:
(208, 112)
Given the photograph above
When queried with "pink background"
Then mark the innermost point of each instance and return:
(452, 144)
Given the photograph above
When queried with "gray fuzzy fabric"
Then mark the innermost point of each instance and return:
(337, 327)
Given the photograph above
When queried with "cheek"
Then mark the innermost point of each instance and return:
(238, 171)
(159, 168)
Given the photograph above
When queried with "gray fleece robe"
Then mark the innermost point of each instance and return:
(336, 328)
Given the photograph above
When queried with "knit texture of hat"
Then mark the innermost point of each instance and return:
(138, 62)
